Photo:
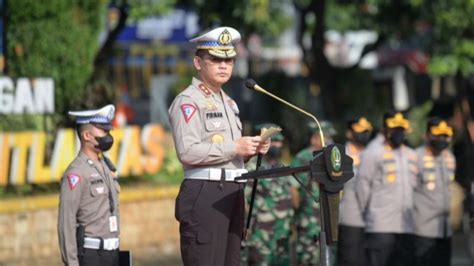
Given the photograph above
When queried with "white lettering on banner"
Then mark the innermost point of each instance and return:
(22, 154)
(6, 95)
(34, 96)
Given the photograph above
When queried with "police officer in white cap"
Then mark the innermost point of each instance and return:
(88, 222)
(207, 134)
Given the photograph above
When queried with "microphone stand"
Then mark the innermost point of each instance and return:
(324, 251)
(254, 189)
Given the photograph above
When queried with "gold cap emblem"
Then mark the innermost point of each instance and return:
(225, 38)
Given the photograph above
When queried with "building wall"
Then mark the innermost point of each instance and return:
(28, 228)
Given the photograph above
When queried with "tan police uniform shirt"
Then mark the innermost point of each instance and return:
(432, 197)
(205, 125)
(384, 187)
(84, 200)
(349, 209)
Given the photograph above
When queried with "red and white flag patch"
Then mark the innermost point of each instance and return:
(73, 180)
(188, 111)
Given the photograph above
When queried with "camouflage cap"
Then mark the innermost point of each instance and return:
(326, 126)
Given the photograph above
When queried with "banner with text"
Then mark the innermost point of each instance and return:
(136, 151)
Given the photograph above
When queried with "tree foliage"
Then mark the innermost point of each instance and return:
(57, 39)
(264, 17)
(60, 39)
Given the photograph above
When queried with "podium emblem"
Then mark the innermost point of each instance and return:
(336, 159)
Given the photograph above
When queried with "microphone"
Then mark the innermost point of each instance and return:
(251, 84)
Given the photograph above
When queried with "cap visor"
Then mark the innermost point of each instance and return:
(104, 126)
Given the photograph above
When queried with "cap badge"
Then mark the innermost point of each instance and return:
(225, 38)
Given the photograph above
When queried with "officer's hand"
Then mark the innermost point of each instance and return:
(263, 147)
(247, 146)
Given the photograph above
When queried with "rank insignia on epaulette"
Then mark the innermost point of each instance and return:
(207, 92)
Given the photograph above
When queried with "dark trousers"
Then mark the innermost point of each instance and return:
(95, 257)
(211, 217)
(351, 246)
(388, 249)
(432, 251)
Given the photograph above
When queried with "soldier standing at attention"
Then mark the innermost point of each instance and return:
(385, 181)
(432, 196)
(88, 221)
(269, 240)
(308, 225)
(350, 245)
(207, 135)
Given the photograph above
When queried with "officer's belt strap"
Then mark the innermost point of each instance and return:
(108, 243)
(214, 174)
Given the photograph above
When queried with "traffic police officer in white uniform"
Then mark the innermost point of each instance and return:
(88, 222)
(207, 135)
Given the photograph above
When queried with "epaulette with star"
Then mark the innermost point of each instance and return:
(207, 92)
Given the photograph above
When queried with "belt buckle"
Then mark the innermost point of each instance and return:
(215, 174)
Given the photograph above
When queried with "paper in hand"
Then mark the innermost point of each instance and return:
(267, 133)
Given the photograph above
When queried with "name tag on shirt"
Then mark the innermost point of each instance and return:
(113, 223)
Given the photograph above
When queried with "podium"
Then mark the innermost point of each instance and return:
(330, 167)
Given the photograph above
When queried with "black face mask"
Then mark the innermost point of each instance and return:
(105, 142)
(362, 138)
(274, 152)
(396, 138)
(439, 145)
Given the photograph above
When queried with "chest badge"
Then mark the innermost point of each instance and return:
(216, 124)
(217, 139)
(210, 105)
(430, 186)
(391, 179)
(100, 190)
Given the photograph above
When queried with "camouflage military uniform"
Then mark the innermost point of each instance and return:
(269, 238)
(307, 216)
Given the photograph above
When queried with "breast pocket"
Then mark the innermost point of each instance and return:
(98, 188)
(213, 125)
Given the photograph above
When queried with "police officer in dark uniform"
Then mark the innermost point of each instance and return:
(88, 220)
(207, 136)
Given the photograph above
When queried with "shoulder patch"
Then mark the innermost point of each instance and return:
(188, 111)
(73, 180)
